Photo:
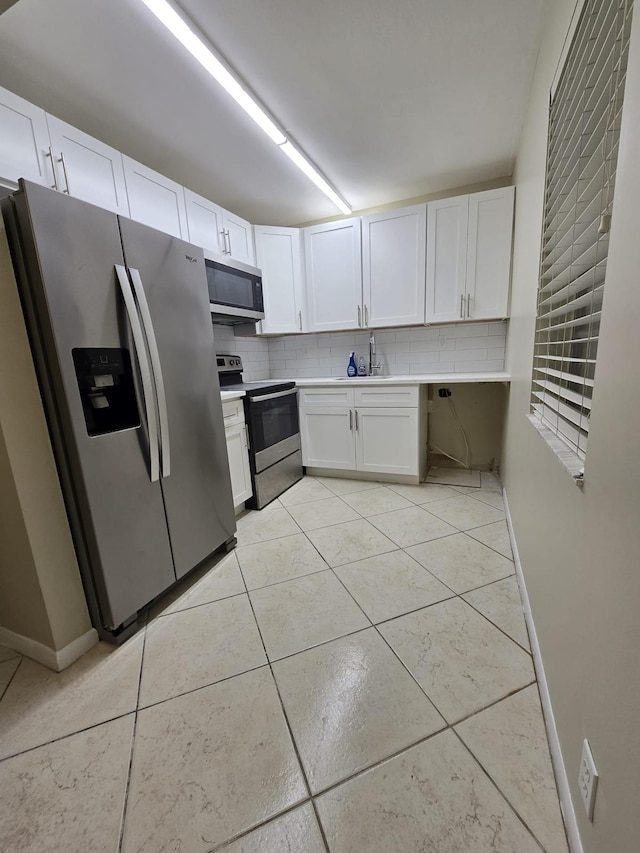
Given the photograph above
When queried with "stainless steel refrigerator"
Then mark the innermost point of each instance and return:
(119, 323)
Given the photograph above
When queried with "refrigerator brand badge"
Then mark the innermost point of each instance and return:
(191, 260)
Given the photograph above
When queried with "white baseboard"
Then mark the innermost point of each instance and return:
(566, 803)
(43, 654)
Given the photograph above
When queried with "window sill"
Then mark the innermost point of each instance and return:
(569, 460)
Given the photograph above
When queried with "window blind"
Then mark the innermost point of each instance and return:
(582, 154)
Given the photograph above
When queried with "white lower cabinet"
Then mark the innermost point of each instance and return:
(387, 441)
(377, 430)
(327, 437)
(235, 432)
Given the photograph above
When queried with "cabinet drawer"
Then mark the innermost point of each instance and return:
(232, 412)
(326, 395)
(398, 396)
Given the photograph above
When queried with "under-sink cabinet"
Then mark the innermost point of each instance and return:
(235, 432)
(373, 430)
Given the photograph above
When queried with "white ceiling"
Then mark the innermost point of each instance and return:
(392, 99)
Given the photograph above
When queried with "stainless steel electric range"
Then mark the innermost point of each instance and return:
(271, 414)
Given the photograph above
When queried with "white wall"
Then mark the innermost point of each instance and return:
(580, 551)
(437, 349)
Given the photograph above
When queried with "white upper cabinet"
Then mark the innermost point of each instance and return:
(239, 238)
(24, 142)
(333, 275)
(279, 256)
(217, 230)
(205, 222)
(469, 256)
(155, 200)
(87, 168)
(489, 253)
(447, 226)
(393, 266)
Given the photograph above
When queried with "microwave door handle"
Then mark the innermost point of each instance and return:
(145, 369)
(156, 367)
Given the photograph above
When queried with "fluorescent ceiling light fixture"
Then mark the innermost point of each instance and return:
(312, 173)
(166, 13)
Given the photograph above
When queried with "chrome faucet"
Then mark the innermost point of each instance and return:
(373, 364)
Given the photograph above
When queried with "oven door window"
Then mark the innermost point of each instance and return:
(273, 420)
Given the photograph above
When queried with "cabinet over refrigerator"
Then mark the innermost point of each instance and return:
(119, 323)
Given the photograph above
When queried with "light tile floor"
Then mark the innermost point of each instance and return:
(355, 677)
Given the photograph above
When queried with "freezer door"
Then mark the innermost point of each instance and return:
(197, 489)
(88, 371)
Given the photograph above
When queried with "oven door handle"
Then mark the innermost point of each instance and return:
(288, 392)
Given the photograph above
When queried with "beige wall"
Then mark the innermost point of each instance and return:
(580, 550)
(480, 408)
(41, 595)
(493, 184)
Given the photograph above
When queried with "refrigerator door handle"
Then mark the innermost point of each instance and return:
(147, 323)
(145, 370)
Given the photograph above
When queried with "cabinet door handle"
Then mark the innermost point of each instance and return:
(229, 241)
(223, 234)
(356, 420)
(359, 317)
(462, 306)
(300, 319)
(468, 305)
(247, 443)
(366, 316)
(64, 171)
(351, 420)
(54, 185)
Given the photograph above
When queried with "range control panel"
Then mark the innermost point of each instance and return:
(229, 363)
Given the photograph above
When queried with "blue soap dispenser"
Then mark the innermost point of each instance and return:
(351, 367)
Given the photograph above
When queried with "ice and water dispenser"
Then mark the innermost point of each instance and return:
(105, 381)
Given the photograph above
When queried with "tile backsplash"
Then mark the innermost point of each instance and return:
(254, 352)
(456, 348)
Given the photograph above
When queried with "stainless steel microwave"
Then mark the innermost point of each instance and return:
(235, 290)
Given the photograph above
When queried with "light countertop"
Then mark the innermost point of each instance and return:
(409, 379)
(231, 395)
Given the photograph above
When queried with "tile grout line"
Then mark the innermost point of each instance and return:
(266, 822)
(13, 675)
(286, 718)
(500, 791)
(68, 735)
(491, 622)
(492, 704)
(133, 740)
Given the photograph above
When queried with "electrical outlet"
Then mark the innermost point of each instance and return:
(588, 779)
